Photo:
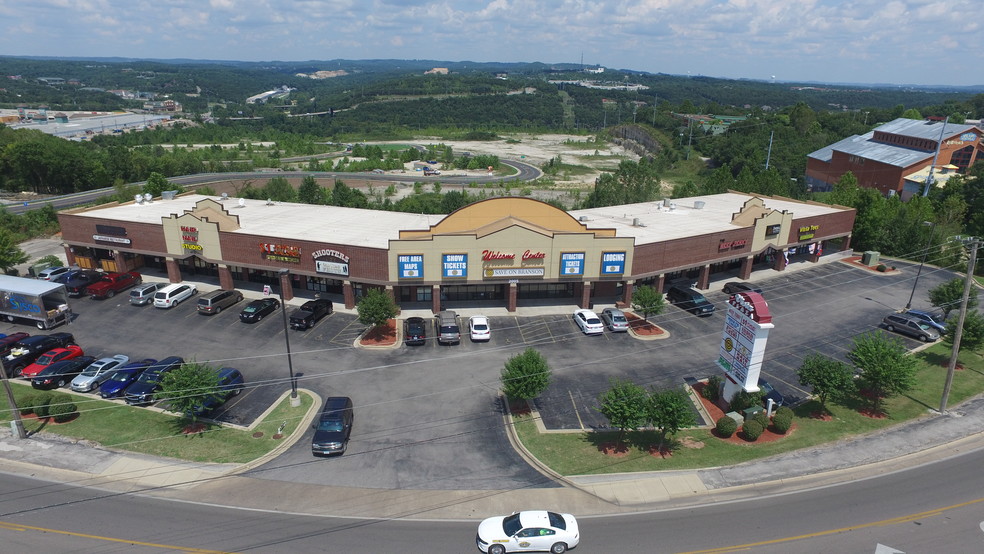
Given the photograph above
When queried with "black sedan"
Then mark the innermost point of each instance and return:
(258, 309)
(59, 374)
(734, 287)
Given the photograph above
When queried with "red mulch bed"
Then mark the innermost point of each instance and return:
(716, 413)
(642, 327)
(856, 262)
(194, 429)
(614, 449)
(384, 335)
(821, 416)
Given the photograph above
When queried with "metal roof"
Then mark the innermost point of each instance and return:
(866, 147)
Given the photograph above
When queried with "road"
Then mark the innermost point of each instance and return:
(932, 508)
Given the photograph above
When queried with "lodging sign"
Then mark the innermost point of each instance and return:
(746, 330)
(410, 266)
(612, 263)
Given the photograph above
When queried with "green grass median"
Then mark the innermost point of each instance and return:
(580, 453)
(134, 429)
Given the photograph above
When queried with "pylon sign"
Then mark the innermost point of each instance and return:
(746, 330)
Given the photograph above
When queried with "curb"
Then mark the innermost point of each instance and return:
(288, 442)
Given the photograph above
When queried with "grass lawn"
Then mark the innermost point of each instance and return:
(580, 453)
(140, 430)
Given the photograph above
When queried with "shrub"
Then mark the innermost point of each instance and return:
(726, 426)
(784, 410)
(762, 419)
(752, 429)
(881, 267)
(744, 400)
(712, 390)
(62, 412)
(40, 404)
(26, 404)
(782, 421)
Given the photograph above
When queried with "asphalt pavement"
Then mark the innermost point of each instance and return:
(918, 442)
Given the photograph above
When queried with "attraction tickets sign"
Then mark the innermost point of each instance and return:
(746, 329)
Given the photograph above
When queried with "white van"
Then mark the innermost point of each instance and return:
(173, 294)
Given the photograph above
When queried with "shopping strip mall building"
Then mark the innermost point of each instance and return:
(498, 252)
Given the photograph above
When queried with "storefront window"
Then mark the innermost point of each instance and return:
(545, 290)
(321, 284)
(472, 292)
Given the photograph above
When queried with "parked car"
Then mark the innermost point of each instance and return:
(310, 313)
(218, 300)
(935, 321)
(54, 355)
(80, 281)
(28, 349)
(112, 283)
(528, 531)
(589, 322)
(689, 299)
(258, 309)
(231, 383)
(414, 331)
(446, 323)
(65, 277)
(143, 294)
(97, 372)
(478, 328)
(333, 428)
(8, 342)
(615, 320)
(734, 287)
(123, 377)
(172, 295)
(141, 392)
(61, 373)
(911, 326)
(768, 391)
(53, 273)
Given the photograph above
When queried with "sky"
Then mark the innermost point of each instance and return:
(832, 41)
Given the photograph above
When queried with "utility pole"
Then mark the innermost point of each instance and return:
(768, 156)
(958, 332)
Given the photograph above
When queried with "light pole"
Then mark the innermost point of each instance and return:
(929, 245)
(294, 401)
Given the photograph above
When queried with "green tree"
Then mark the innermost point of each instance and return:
(668, 411)
(279, 189)
(376, 308)
(885, 367)
(827, 376)
(310, 192)
(10, 254)
(525, 375)
(972, 337)
(947, 296)
(156, 184)
(625, 405)
(648, 300)
(184, 388)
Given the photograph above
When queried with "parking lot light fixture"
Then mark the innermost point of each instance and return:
(294, 400)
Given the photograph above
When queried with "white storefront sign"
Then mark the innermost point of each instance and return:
(746, 331)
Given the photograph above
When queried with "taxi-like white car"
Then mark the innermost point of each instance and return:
(589, 322)
(529, 531)
(478, 328)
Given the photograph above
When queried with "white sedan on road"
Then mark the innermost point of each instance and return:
(589, 322)
(529, 531)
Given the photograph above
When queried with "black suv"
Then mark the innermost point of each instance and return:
(141, 392)
(414, 331)
(81, 280)
(25, 351)
(333, 428)
(689, 299)
(310, 313)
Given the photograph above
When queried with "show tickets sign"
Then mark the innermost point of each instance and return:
(454, 265)
(746, 331)
(280, 252)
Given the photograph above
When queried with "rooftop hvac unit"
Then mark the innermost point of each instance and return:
(666, 202)
(699, 204)
(583, 218)
(672, 206)
(168, 194)
(636, 222)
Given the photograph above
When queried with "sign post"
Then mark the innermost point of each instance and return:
(746, 331)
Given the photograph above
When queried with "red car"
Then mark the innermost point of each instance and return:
(50, 357)
(111, 283)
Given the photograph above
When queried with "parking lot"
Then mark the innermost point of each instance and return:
(429, 416)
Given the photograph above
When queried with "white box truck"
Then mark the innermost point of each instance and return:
(43, 302)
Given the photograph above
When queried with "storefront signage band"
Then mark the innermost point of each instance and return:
(732, 244)
(514, 272)
(328, 253)
(807, 232)
(492, 255)
(104, 238)
(334, 268)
